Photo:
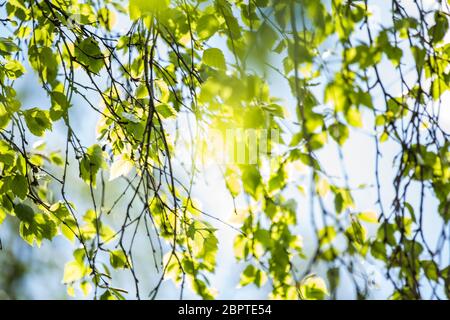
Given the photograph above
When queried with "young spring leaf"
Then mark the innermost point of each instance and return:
(88, 53)
(37, 121)
(214, 57)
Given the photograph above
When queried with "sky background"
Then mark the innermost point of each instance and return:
(44, 280)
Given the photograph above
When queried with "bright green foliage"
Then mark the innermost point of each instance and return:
(89, 55)
(313, 288)
(76, 269)
(253, 275)
(140, 8)
(34, 227)
(118, 259)
(37, 121)
(213, 57)
(91, 163)
(315, 74)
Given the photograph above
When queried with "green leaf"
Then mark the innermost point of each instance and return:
(251, 179)
(327, 234)
(2, 215)
(7, 46)
(107, 295)
(106, 233)
(107, 18)
(7, 154)
(247, 276)
(56, 158)
(378, 250)
(431, 269)
(120, 167)
(44, 61)
(394, 54)
(313, 288)
(79, 255)
(232, 182)
(37, 121)
(207, 26)
(85, 287)
(240, 247)
(368, 216)
(353, 117)
(419, 55)
(209, 251)
(318, 140)
(322, 187)
(202, 289)
(356, 232)
(5, 116)
(333, 276)
(141, 92)
(342, 200)
(24, 212)
(263, 236)
(439, 30)
(339, 132)
(60, 105)
(224, 8)
(88, 53)
(140, 8)
(162, 90)
(74, 271)
(36, 227)
(60, 210)
(214, 57)
(19, 186)
(444, 211)
(45, 227)
(166, 110)
(91, 163)
(118, 259)
(384, 136)
(68, 229)
(71, 290)
(14, 69)
(275, 109)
